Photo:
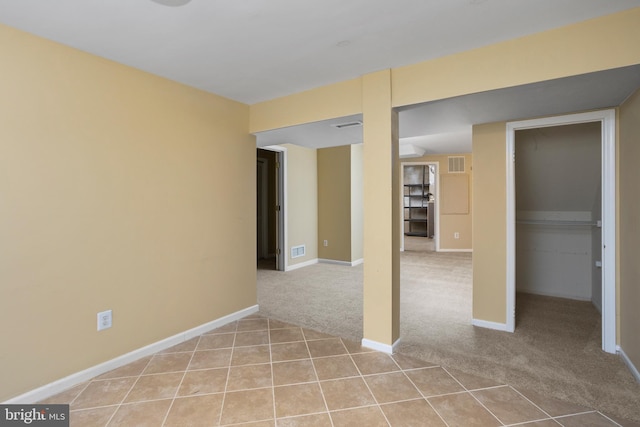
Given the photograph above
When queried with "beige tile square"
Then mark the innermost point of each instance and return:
(258, 324)
(217, 341)
(591, 419)
(203, 382)
(98, 417)
(371, 417)
(315, 420)
(154, 387)
(434, 381)
(249, 376)
(472, 382)
(103, 393)
(165, 363)
(294, 372)
(354, 347)
(542, 423)
(310, 334)
(247, 406)
(195, 411)
(183, 347)
(289, 351)
(277, 324)
(334, 367)
(346, 393)
(229, 327)
(67, 396)
(462, 410)
(374, 363)
(553, 407)
(246, 339)
(141, 414)
(408, 362)
(286, 335)
(210, 359)
(299, 399)
(412, 413)
(392, 387)
(251, 355)
(132, 369)
(508, 405)
(326, 347)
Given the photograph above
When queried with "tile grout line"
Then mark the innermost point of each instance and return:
(315, 372)
(226, 383)
(425, 397)
(128, 392)
(186, 369)
(273, 387)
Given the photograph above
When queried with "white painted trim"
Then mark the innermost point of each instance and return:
(455, 250)
(384, 348)
(553, 294)
(629, 363)
(336, 262)
(607, 119)
(65, 383)
(302, 264)
(490, 325)
(436, 204)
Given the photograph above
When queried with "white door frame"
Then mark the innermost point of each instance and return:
(282, 223)
(607, 119)
(436, 214)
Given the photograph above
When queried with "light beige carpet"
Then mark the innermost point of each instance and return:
(555, 349)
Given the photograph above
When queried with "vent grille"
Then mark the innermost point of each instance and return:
(456, 164)
(347, 125)
(297, 251)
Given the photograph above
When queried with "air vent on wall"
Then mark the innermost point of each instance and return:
(297, 251)
(456, 164)
(347, 125)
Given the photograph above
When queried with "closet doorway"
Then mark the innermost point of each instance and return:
(419, 204)
(560, 212)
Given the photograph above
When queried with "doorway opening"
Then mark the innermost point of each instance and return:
(270, 209)
(420, 220)
(569, 235)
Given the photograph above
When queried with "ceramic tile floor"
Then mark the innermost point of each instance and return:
(264, 373)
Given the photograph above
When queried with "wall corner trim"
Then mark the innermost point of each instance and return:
(385, 348)
(490, 325)
(302, 264)
(67, 382)
(629, 363)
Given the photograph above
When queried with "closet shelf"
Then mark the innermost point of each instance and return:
(557, 223)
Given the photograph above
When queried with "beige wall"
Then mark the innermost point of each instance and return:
(122, 191)
(334, 203)
(489, 222)
(450, 224)
(357, 204)
(629, 158)
(302, 202)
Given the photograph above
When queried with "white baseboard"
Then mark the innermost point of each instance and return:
(336, 262)
(554, 294)
(384, 348)
(629, 363)
(454, 250)
(490, 325)
(65, 383)
(302, 264)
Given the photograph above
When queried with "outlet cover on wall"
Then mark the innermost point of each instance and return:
(456, 235)
(104, 320)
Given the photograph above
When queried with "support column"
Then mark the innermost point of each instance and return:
(381, 314)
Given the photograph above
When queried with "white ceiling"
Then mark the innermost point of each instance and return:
(254, 50)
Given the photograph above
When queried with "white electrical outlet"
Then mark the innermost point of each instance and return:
(456, 235)
(104, 320)
(326, 243)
